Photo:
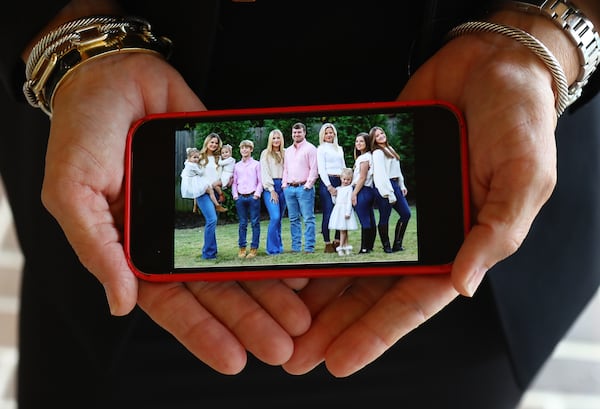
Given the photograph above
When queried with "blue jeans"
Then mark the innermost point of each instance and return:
(276, 210)
(385, 208)
(207, 208)
(248, 210)
(300, 202)
(327, 207)
(365, 202)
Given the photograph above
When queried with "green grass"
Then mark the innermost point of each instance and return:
(188, 247)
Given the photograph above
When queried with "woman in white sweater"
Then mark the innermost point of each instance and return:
(330, 162)
(391, 191)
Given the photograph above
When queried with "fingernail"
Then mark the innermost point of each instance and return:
(475, 280)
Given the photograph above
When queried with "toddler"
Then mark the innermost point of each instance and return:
(226, 164)
(342, 216)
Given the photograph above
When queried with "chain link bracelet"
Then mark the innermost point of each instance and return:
(559, 78)
(62, 50)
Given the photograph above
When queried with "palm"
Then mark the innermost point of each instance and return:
(83, 189)
(512, 172)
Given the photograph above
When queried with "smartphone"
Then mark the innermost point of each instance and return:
(164, 233)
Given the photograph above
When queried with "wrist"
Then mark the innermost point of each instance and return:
(578, 24)
(73, 10)
(548, 34)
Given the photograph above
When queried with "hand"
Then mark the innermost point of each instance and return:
(83, 188)
(506, 96)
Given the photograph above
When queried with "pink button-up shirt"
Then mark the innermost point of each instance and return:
(246, 178)
(300, 164)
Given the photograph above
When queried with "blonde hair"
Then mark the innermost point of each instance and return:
(347, 172)
(247, 142)
(204, 151)
(277, 155)
(227, 146)
(191, 151)
(322, 133)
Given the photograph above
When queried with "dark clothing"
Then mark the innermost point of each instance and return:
(476, 353)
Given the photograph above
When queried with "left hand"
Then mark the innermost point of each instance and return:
(505, 94)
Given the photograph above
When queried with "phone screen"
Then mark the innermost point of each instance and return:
(311, 227)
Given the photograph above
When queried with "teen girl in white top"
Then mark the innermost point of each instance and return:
(391, 190)
(363, 195)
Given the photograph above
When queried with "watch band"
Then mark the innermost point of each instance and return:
(578, 28)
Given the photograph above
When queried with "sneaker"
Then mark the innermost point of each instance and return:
(348, 250)
(340, 250)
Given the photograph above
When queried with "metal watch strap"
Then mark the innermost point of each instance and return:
(578, 28)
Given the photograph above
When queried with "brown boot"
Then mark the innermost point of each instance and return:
(220, 208)
(252, 253)
(242, 252)
(329, 248)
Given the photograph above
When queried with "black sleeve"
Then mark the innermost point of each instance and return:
(21, 22)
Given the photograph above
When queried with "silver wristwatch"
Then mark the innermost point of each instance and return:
(580, 31)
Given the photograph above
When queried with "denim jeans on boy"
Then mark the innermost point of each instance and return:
(248, 210)
(276, 210)
(207, 208)
(300, 202)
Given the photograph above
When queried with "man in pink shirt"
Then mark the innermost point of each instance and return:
(246, 190)
(298, 180)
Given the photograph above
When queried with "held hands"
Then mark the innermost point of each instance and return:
(83, 188)
(509, 109)
(506, 96)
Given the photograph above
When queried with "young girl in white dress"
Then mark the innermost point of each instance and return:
(193, 183)
(342, 216)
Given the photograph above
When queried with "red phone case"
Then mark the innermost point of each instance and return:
(266, 272)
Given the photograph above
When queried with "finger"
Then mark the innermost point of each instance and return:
(91, 231)
(341, 312)
(283, 304)
(516, 194)
(176, 309)
(296, 283)
(380, 316)
(260, 333)
(412, 301)
(322, 291)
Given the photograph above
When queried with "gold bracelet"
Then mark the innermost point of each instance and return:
(560, 85)
(62, 50)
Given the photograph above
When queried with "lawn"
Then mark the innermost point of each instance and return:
(188, 247)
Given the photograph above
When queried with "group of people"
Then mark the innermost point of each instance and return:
(286, 178)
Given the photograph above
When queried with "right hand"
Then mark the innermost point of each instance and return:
(83, 189)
